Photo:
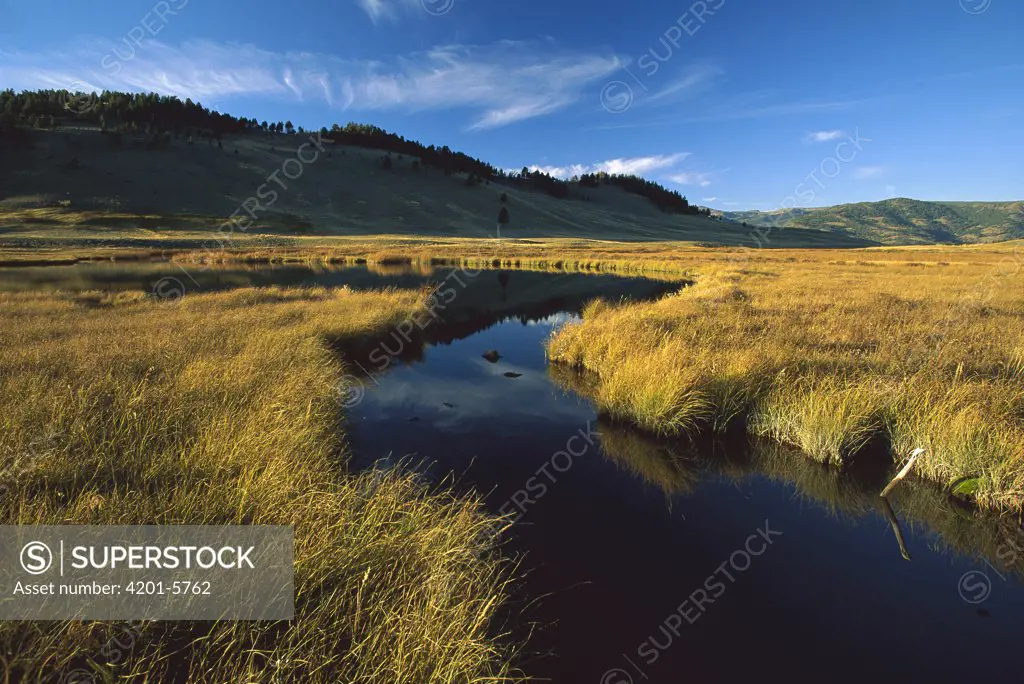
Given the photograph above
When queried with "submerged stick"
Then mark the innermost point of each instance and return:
(903, 473)
(889, 513)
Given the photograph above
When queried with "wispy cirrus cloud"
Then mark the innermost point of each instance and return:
(377, 9)
(863, 172)
(823, 136)
(496, 84)
(692, 80)
(392, 10)
(747, 106)
(626, 166)
(782, 109)
(701, 179)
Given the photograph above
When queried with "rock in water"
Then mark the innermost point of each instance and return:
(492, 356)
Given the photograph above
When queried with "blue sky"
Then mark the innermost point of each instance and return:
(735, 103)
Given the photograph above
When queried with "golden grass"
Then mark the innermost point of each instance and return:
(920, 347)
(822, 349)
(224, 408)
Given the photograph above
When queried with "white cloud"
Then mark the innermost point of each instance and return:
(625, 166)
(749, 105)
(868, 172)
(376, 9)
(694, 77)
(823, 136)
(390, 9)
(710, 199)
(519, 111)
(729, 112)
(498, 84)
(702, 179)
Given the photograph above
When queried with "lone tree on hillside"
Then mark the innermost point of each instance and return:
(386, 164)
(502, 219)
(504, 198)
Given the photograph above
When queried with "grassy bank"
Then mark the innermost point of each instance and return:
(831, 352)
(224, 408)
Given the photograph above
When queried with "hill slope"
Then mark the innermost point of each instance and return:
(78, 179)
(902, 221)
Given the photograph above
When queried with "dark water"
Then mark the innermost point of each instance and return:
(619, 536)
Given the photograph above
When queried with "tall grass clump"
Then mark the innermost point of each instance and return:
(967, 434)
(652, 385)
(223, 408)
(830, 420)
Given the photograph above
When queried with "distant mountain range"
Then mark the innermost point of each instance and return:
(901, 221)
